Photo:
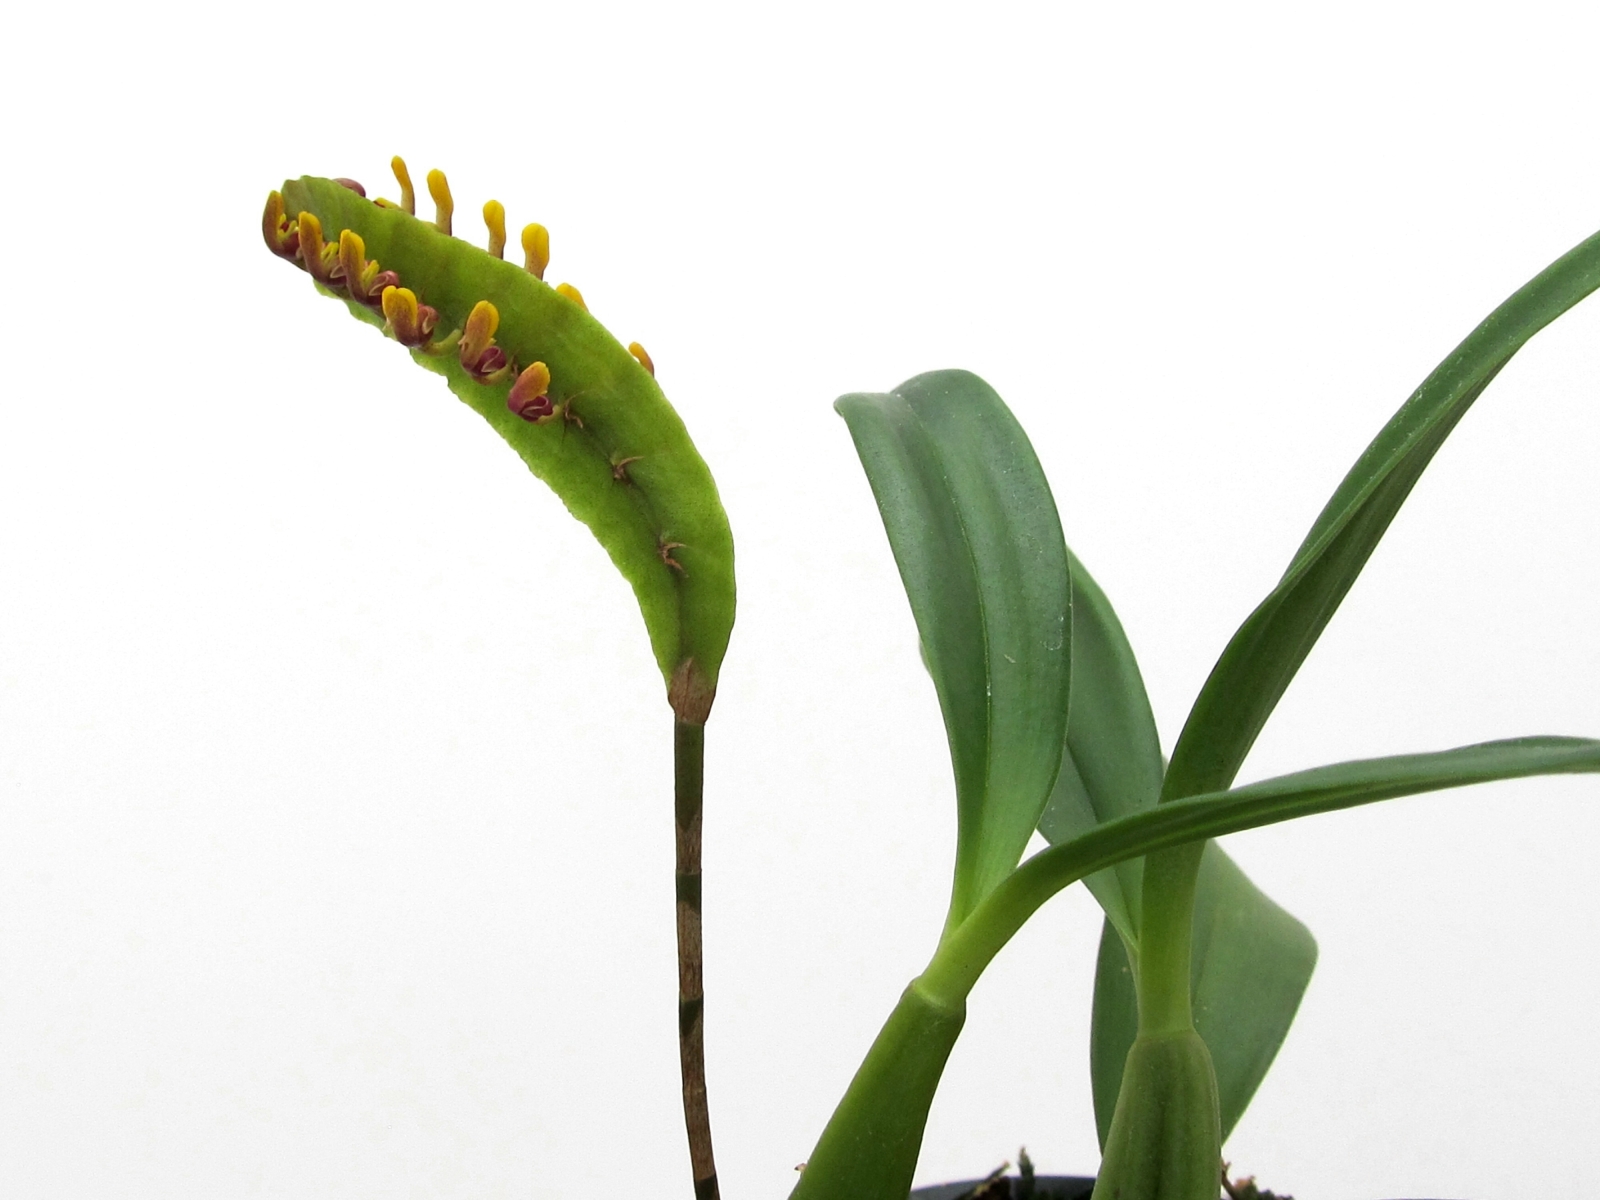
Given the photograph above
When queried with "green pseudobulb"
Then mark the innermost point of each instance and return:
(615, 451)
(1165, 1141)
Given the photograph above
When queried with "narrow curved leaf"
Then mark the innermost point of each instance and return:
(1259, 662)
(962, 956)
(974, 532)
(1214, 814)
(1251, 960)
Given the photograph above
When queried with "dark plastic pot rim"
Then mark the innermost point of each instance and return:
(1045, 1187)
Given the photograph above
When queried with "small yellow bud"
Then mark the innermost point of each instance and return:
(272, 218)
(478, 335)
(399, 306)
(573, 294)
(484, 361)
(362, 279)
(529, 397)
(645, 360)
(494, 216)
(410, 323)
(282, 237)
(352, 261)
(443, 206)
(536, 246)
(408, 194)
(311, 247)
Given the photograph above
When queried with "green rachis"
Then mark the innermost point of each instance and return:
(585, 414)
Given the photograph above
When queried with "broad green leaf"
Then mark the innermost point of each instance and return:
(1258, 664)
(1251, 959)
(1251, 964)
(1112, 1026)
(975, 534)
(1112, 763)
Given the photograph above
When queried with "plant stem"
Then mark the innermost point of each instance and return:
(1166, 927)
(869, 1149)
(1166, 935)
(688, 753)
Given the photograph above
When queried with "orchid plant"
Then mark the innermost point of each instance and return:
(1049, 727)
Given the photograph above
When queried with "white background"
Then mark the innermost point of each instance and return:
(335, 831)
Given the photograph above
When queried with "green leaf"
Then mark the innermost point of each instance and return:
(1112, 1027)
(893, 1090)
(1251, 960)
(1258, 664)
(1112, 763)
(962, 957)
(975, 534)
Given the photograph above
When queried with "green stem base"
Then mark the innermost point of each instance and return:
(869, 1149)
(1166, 1138)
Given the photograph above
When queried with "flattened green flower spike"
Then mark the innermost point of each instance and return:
(588, 417)
(583, 411)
